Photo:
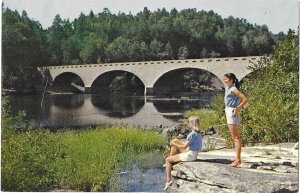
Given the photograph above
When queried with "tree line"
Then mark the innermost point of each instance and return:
(107, 37)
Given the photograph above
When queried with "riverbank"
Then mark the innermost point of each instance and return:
(19, 91)
(32, 91)
(264, 168)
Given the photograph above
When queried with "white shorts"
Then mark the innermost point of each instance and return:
(230, 118)
(188, 156)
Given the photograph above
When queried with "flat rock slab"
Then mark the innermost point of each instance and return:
(264, 169)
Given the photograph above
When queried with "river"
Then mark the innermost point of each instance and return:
(80, 110)
(77, 110)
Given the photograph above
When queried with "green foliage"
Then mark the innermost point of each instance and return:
(24, 48)
(208, 118)
(91, 156)
(92, 48)
(6, 119)
(273, 89)
(28, 157)
(29, 161)
(183, 53)
(213, 118)
(85, 160)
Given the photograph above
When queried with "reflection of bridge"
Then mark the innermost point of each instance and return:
(150, 71)
(89, 114)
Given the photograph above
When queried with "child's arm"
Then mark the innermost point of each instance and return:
(183, 145)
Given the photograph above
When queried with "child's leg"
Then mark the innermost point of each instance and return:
(169, 161)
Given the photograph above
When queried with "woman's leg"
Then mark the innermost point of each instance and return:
(174, 148)
(233, 128)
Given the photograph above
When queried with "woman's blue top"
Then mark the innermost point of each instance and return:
(229, 99)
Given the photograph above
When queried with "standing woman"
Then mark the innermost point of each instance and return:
(234, 101)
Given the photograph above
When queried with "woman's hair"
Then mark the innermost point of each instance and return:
(231, 76)
(194, 123)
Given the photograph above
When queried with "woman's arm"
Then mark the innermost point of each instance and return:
(242, 97)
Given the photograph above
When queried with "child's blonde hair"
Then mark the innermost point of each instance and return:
(194, 122)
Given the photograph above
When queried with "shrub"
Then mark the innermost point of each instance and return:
(272, 114)
(210, 118)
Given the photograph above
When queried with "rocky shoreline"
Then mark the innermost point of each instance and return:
(264, 168)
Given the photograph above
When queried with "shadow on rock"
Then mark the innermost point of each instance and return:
(220, 161)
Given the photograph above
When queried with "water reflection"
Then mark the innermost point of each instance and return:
(176, 105)
(98, 110)
(182, 103)
(36, 108)
(84, 110)
(68, 101)
(118, 106)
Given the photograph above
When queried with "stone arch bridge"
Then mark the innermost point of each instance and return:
(150, 71)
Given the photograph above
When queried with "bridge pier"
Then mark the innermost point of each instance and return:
(87, 90)
(149, 91)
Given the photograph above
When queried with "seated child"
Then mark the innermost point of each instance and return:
(188, 151)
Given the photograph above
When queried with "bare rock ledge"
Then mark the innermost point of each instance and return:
(264, 169)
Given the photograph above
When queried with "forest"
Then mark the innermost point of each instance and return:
(105, 37)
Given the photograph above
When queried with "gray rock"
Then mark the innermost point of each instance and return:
(210, 173)
(169, 131)
(217, 177)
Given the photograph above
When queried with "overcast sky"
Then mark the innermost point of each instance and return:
(278, 15)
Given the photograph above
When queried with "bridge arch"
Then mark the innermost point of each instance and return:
(68, 82)
(117, 81)
(187, 79)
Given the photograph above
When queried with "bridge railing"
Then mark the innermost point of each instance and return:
(249, 58)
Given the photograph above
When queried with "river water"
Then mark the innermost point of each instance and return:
(77, 110)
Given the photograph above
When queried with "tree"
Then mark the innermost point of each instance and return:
(118, 50)
(23, 43)
(262, 41)
(55, 36)
(93, 49)
(168, 53)
(183, 53)
(156, 48)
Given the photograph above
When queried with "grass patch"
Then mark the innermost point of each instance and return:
(208, 118)
(85, 160)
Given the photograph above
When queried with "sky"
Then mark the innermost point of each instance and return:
(278, 15)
